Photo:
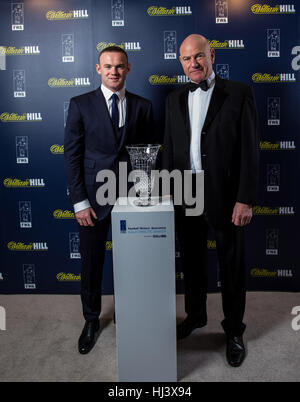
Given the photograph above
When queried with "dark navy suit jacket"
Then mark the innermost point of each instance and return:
(91, 145)
(229, 146)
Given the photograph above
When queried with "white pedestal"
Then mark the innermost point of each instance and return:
(144, 286)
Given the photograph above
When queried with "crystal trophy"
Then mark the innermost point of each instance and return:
(143, 158)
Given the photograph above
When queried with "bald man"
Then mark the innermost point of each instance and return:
(212, 125)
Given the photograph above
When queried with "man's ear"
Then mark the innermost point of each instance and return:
(98, 69)
(128, 67)
(213, 55)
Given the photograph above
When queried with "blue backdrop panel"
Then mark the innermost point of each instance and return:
(48, 54)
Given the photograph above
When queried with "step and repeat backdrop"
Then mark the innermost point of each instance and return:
(48, 52)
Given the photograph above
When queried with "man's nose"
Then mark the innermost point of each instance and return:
(194, 62)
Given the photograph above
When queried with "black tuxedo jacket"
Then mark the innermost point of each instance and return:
(229, 146)
(91, 145)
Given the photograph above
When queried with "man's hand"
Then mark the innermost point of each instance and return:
(84, 217)
(242, 214)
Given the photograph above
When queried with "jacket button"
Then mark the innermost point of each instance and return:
(203, 132)
(203, 154)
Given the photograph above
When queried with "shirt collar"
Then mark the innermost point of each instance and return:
(211, 79)
(108, 93)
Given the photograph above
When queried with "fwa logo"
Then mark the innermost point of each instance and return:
(221, 9)
(74, 245)
(29, 276)
(19, 83)
(273, 177)
(25, 215)
(272, 241)
(67, 44)
(117, 13)
(273, 108)
(222, 71)
(273, 40)
(17, 16)
(170, 45)
(22, 149)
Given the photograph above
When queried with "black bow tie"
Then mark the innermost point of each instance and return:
(203, 85)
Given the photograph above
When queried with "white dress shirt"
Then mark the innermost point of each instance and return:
(121, 103)
(198, 102)
(107, 93)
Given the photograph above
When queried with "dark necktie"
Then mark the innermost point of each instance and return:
(203, 85)
(115, 111)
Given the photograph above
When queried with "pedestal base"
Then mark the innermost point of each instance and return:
(144, 285)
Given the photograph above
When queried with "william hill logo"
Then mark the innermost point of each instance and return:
(227, 44)
(127, 46)
(165, 80)
(6, 117)
(66, 15)
(279, 77)
(73, 82)
(277, 146)
(17, 183)
(22, 51)
(211, 244)
(155, 11)
(258, 210)
(63, 277)
(265, 273)
(19, 246)
(66, 214)
(57, 149)
(278, 9)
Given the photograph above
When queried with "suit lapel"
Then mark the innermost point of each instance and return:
(217, 100)
(184, 112)
(184, 108)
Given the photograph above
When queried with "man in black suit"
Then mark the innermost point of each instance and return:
(211, 125)
(99, 125)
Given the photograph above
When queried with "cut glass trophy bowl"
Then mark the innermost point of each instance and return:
(143, 158)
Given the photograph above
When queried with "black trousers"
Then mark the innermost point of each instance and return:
(92, 249)
(192, 235)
